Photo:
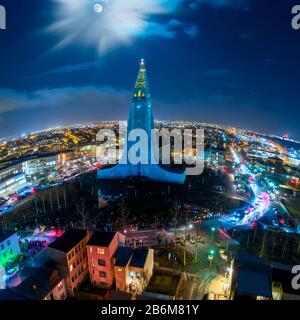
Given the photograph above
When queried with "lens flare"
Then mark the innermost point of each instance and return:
(98, 8)
(116, 22)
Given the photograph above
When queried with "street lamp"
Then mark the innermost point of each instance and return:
(213, 229)
(211, 255)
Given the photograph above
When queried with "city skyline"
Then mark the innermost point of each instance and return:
(149, 150)
(200, 61)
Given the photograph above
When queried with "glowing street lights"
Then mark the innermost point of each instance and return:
(211, 255)
(213, 230)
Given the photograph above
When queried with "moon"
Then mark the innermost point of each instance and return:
(98, 8)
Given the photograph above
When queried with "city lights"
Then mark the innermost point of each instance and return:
(104, 196)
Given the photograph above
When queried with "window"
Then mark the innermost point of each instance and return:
(100, 251)
(120, 269)
(60, 286)
(69, 256)
(102, 274)
(139, 275)
(101, 262)
(73, 279)
(8, 242)
(2, 246)
(71, 268)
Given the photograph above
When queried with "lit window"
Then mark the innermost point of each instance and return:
(120, 269)
(71, 268)
(100, 251)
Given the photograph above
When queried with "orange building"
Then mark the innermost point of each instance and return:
(100, 251)
(133, 269)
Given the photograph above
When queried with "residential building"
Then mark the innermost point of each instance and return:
(133, 269)
(41, 279)
(100, 250)
(43, 284)
(251, 279)
(69, 252)
(9, 246)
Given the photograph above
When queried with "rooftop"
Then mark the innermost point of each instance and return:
(34, 288)
(253, 277)
(11, 295)
(139, 257)
(42, 268)
(68, 240)
(101, 238)
(122, 256)
(5, 235)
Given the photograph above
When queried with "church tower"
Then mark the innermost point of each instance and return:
(141, 117)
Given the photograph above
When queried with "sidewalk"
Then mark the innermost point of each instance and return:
(218, 288)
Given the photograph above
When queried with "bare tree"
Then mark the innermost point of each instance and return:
(82, 213)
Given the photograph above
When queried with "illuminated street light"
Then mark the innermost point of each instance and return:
(213, 229)
(211, 255)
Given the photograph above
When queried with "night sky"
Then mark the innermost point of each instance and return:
(218, 61)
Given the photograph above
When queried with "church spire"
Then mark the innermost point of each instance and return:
(141, 88)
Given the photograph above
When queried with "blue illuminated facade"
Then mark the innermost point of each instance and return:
(141, 117)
